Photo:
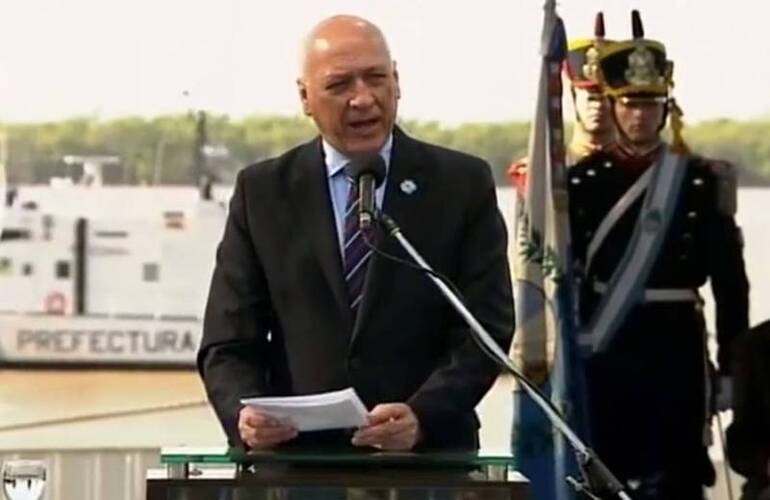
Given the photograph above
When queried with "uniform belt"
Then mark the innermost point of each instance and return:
(659, 294)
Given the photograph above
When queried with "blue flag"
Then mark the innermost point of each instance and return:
(544, 342)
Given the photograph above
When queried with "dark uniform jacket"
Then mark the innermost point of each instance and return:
(647, 390)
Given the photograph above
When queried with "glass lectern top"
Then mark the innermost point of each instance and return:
(224, 455)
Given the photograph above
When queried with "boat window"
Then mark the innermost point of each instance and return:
(150, 271)
(111, 234)
(62, 269)
(27, 269)
(175, 219)
(11, 233)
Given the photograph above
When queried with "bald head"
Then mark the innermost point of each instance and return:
(333, 30)
(349, 84)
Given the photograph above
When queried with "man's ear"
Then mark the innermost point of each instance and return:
(302, 89)
(395, 77)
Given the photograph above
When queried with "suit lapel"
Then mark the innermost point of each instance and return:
(312, 202)
(405, 187)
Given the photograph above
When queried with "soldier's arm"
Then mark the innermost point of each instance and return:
(727, 270)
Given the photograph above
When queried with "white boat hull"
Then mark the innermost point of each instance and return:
(56, 340)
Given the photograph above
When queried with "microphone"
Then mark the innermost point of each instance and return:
(367, 172)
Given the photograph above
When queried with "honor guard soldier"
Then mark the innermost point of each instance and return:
(593, 128)
(651, 223)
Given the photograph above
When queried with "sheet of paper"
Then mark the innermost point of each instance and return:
(330, 410)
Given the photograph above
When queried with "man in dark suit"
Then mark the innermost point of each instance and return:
(281, 318)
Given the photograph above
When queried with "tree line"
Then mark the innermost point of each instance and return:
(162, 150)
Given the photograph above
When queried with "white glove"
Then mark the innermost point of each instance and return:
(724, 399)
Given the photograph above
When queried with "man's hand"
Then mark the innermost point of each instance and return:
(392, 426)
(261, 432)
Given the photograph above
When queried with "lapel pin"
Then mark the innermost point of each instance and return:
(408, 186)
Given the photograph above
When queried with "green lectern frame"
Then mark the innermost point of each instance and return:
(221, 474)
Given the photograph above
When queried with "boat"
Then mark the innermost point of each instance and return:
(106, 275)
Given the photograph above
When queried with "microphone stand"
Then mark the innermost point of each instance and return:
(596, 474)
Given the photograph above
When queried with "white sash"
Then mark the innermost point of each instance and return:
(626, 287)
(614, 215)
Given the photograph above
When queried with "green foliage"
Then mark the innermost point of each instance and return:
(746, 144)
(498, 143)
(160, 149)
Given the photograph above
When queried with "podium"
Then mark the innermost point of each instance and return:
(218, 473)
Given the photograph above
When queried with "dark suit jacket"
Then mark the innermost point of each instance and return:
(277, 320)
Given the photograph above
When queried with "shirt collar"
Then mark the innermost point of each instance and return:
(336, 161)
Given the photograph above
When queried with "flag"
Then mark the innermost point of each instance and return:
(544, 341)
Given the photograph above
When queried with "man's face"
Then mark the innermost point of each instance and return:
(593, 111)
(639, 120)
(350, 89)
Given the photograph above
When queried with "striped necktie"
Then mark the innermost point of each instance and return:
(356, 253)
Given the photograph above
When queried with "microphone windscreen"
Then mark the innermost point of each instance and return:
(373, 165)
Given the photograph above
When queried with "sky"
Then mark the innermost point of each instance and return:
(459, 61)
